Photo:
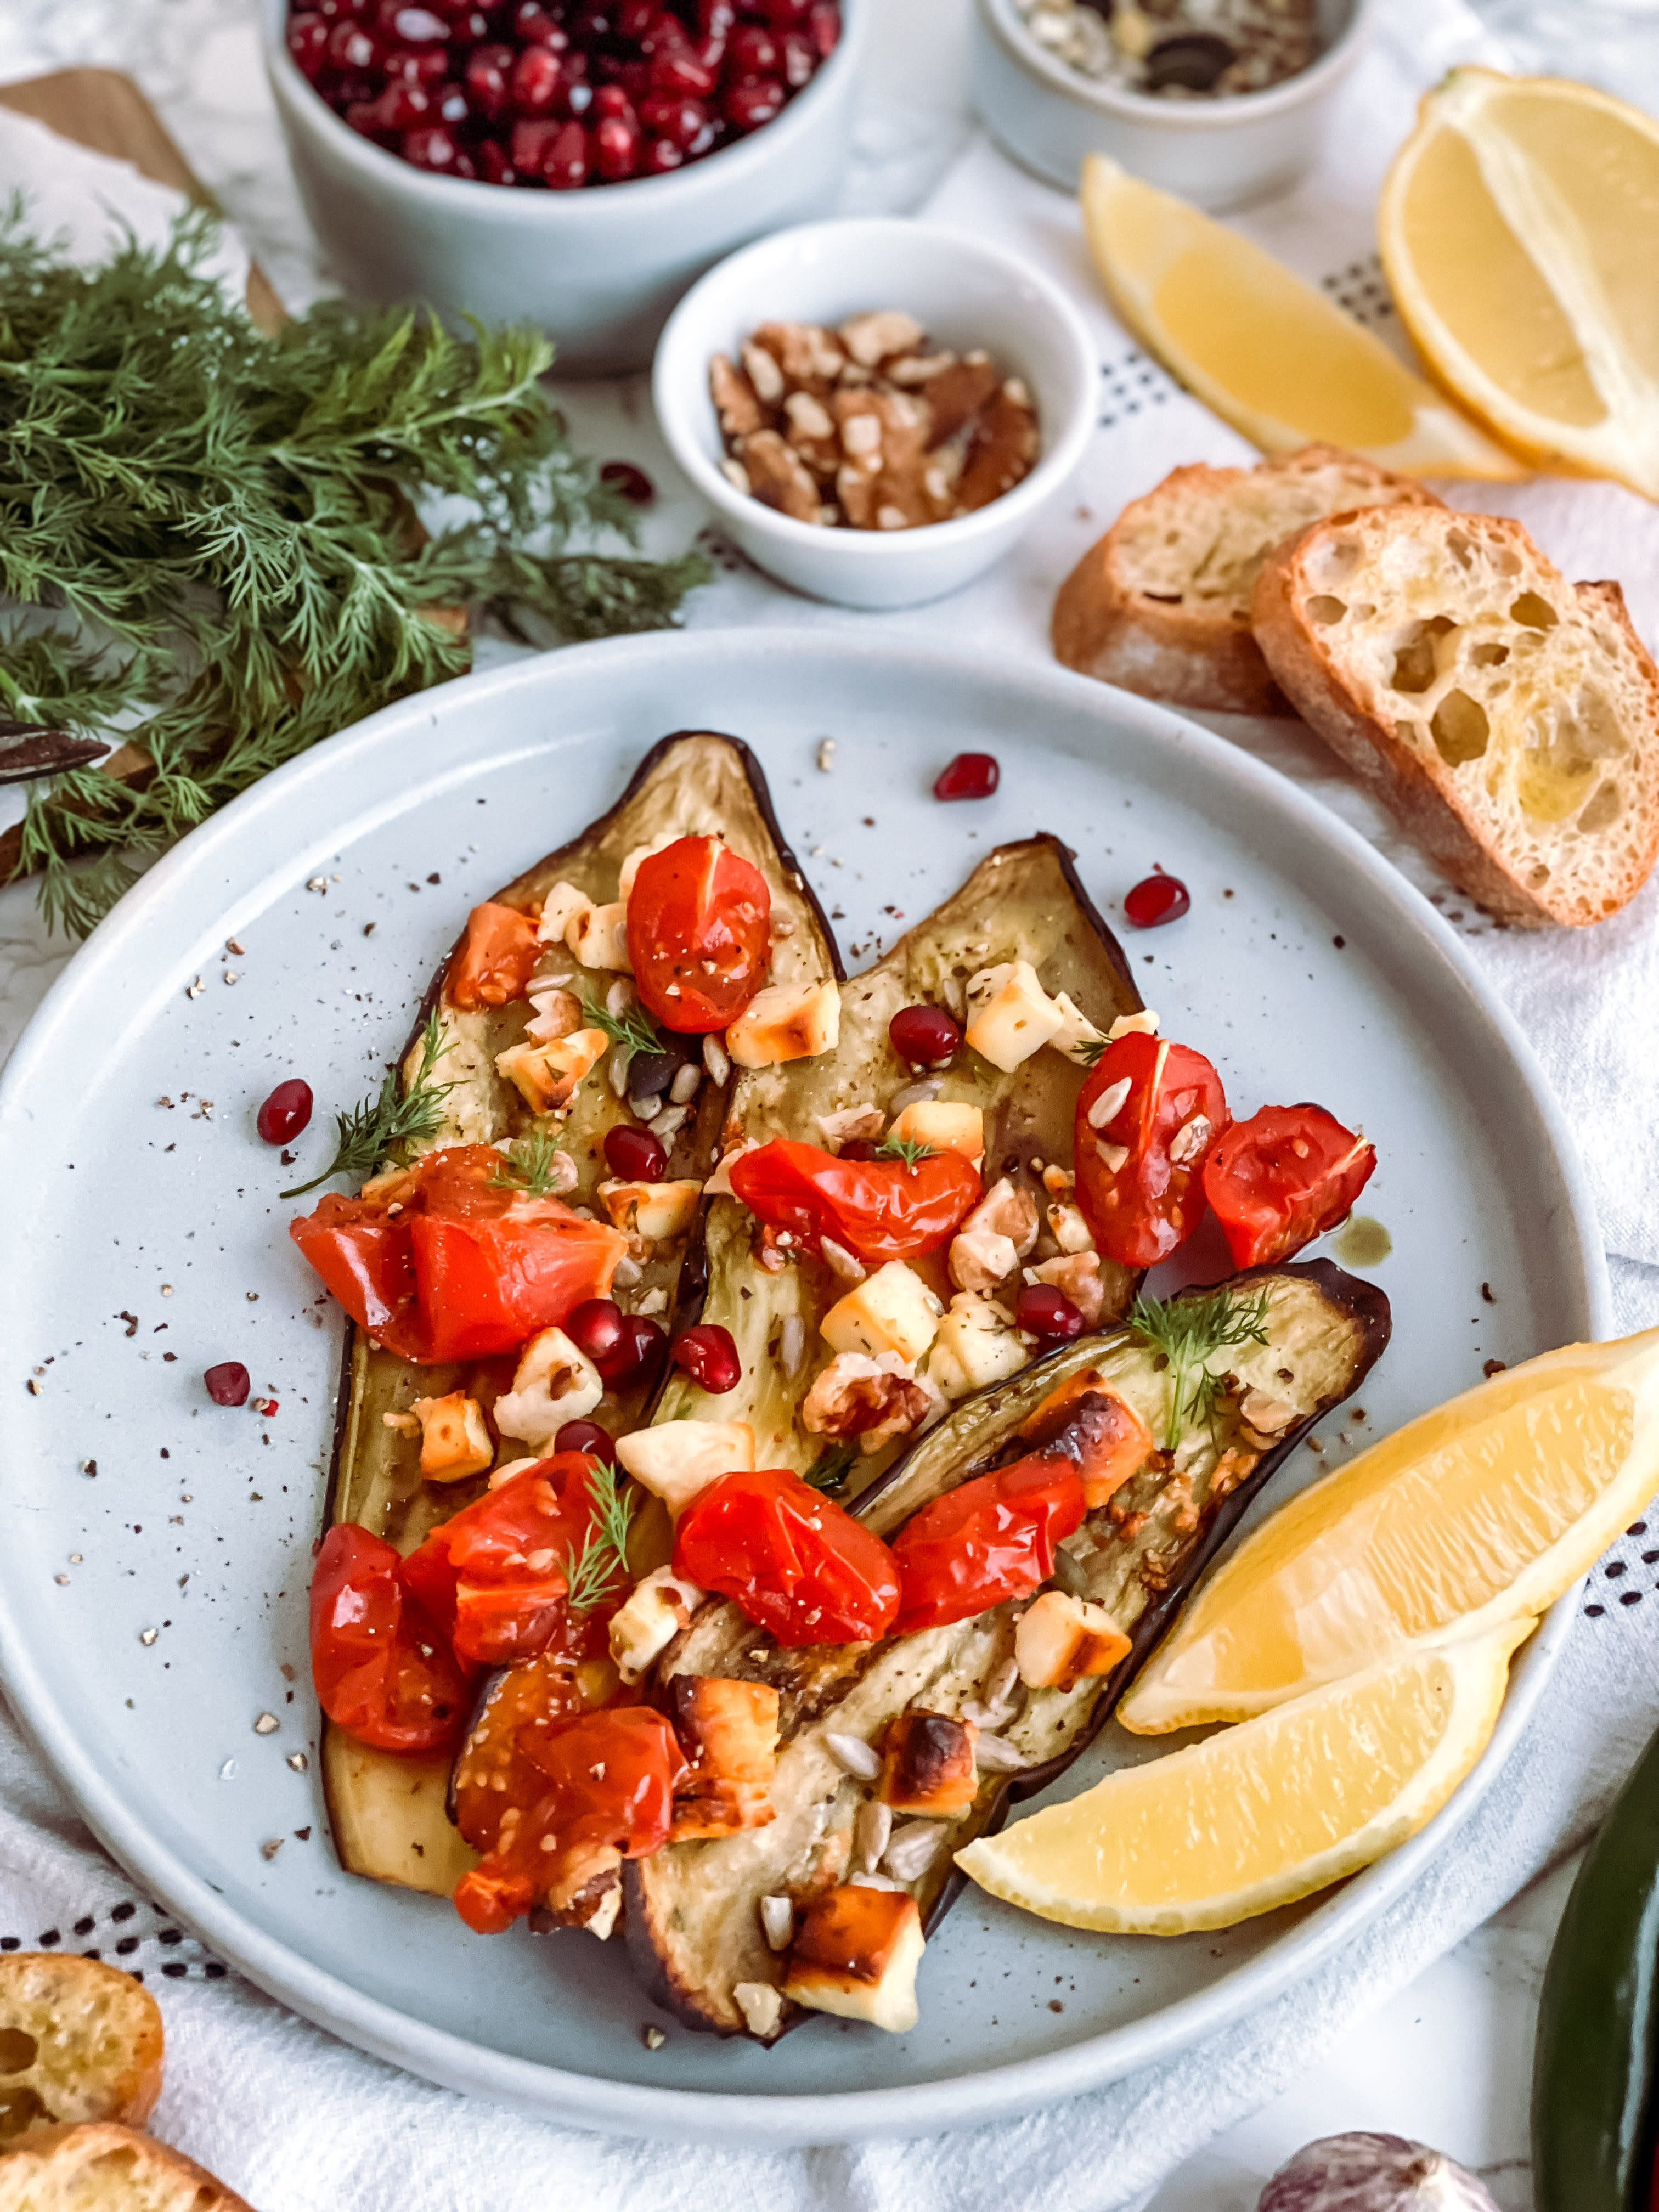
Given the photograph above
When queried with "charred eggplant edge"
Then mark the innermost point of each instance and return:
(1364, 1303)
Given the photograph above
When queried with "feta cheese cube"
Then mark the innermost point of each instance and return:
(564, 904)
(545, 1076)
(856, 1955)
(1076, 1034)
(599, 936)
(455, 1439)
(677, 1459)
(976, 1346)
(1012, 1015)
(892, 1310)
(1060, 1639)
(554, 1383)
(649, 1619)
(947, 1128)
(785, 1021)
(653, 1209)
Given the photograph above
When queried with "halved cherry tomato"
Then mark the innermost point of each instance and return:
(878, 1209)
(493, 1772)
(494, 960)
(495, 1577)
(1139, 1170)
(987, 1540)
(451, 1261)
(699, 934)
(789, 1557)
(382, 1669)
(612, 1775)
(1282, 1178)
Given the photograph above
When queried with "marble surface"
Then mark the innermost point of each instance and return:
(1448, 2060)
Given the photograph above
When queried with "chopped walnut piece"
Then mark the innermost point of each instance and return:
(809, 355)
(763, 373)
(1003, 446)
(778, 476)
(736, 401)
(870, 338)
(871, 1399)
(1076, 1276)
(957, 395)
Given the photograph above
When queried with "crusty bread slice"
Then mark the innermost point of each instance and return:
(1161, 605)
(1510, 718)
(79, 2041)
(103, 2167)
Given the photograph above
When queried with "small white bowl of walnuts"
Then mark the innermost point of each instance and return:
(875, 409)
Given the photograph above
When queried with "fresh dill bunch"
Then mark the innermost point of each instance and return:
(215, 534)
(830, 1469)
(1190, 1330)
(393, 1119)
(591, 1572)
(907, 1149)
(630, 1027)
(529, 1166)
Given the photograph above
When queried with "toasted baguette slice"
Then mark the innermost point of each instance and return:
(102, 2168)
(1510, 718)
(78, 2041)
(1161, 605)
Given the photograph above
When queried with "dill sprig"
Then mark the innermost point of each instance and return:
(1190, 1330)
(630, 1027)
(393, 1119)
(907, 1149)
(591, 1572)
(529, 1166)
(215, 534)
(1091, 1048)
(830, 1469)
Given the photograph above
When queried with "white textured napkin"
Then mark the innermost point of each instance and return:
(299, 2122)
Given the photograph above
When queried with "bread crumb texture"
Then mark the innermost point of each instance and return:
(79, 2041)
(104, 2167)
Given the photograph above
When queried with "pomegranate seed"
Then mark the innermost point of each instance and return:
(716, 17)
(307, 41)
(470, 26)
(587, 1437)
(534, 84)
(595, 1326)
(229, 1383)
(488, 79)
(1155, 899)
(1048, 1313)
(782, 14)
(333, 10)
(860, 1148)
(286, 1112)
(590, 28)
(414, 27)
(662, 155)
(824, 25)
(452, 105)
(350, 47)
(709, 1356)
(634, 18)
(635, 1155)
(752, 51)
(640, 1346)
(667, 35)
(800, 60)
(757, 100)
(970, 775)
(680, 120)
(636, 487)
(612, 103)
(432, 148)
(531, 141)
(925, 1036)
(578, 98)
(425, 65)
(682, 72)
(564, 167)
(532, 24)
(494, 165)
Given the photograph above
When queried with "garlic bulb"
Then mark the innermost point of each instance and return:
(1373, 2173)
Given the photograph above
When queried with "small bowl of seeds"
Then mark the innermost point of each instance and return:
(1220, 100)
(877, 409)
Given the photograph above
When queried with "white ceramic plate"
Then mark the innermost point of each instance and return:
(1306, 969)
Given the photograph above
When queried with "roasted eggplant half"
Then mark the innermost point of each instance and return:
(893, 1755)
(388, 1812)
(1023, 903)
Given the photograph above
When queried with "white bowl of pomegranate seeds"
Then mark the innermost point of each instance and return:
(823, 343)
(570, 163)
(1220, 100)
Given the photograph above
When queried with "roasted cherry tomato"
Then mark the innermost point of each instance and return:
(494, 1774)
(382, 1668)
(699, 933)
(789, 1557)
(1282, 1178)
(495, 1577)
(879, 1209)
(449, 1262)
(1145, 1119)
(494, 960)
(608, 1794)
(987, 1540)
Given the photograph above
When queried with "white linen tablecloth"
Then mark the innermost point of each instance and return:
(299, 2122)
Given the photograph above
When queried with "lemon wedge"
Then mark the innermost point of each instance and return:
(1519, 227)
(1257, 1816)
(1267, 353)
(1479, 1513)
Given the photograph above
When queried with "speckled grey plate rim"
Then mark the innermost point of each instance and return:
(278, 809)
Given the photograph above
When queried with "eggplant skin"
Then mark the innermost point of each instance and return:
(690, 1918)
(693, 779)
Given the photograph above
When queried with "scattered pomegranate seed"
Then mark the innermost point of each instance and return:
(587, 1437)
(534, 84)
(636, 487)
(970, 775)
(595, 1326)
(925, 1036)
(532, 23)
(635, 1155)
(752, 51)
(639, 1347)
(229, 1383)
(564, 167)
(286, 1112)
(1155, 899)
(709, 1356)
(618, 1344)
(679, 120)
(752, 101)
(617, 148)
(489, 71)
(1048, 1313)
(433, 149)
